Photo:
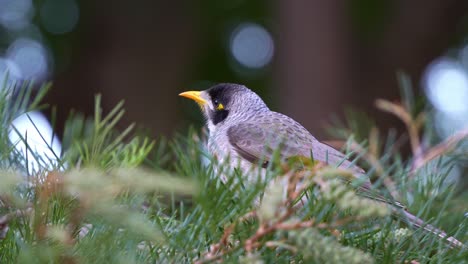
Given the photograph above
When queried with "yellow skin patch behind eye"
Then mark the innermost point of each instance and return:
(220, 107)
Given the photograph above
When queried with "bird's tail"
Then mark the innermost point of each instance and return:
(419, 223)
(400, 211)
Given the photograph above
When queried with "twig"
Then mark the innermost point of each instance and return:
(293, 193)
(218, 250)
(276, 244)
(248, 216)
(442, 148)
(295, 187)
(292, 226)
(412, 125)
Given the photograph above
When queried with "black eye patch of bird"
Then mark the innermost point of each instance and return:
(220, 98)
(242, 129)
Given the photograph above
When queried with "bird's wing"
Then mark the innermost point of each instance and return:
(257, 141)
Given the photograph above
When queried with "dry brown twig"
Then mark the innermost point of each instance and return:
(438, 150)
(221, 248)
(282, 222)
(294, 191)
(414, 125)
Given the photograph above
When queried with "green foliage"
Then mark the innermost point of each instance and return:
(10, 109)
(325, 249)
(96, 143)
(347, 199)
(121, 198)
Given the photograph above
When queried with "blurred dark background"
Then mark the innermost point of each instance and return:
(308, 59)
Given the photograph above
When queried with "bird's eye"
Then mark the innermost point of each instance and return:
(219, 106)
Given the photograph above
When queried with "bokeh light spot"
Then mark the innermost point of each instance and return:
(446, 84)
(30, 57)
(15, 14)
(59, 16)
(251, 45)
(43, 145)
(448, 124)
(8, 67)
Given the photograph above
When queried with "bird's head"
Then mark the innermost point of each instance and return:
(225, 102)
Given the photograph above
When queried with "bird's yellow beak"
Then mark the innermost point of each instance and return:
(194, 95)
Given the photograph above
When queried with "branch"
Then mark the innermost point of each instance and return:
(412, 125)
(438, 150)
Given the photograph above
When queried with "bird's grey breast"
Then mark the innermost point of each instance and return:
(218, 144)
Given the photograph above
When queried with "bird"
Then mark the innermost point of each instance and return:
(243, 131)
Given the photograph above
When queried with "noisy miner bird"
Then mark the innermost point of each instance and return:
(246, 133)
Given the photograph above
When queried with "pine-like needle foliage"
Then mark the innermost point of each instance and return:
(115, 197)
